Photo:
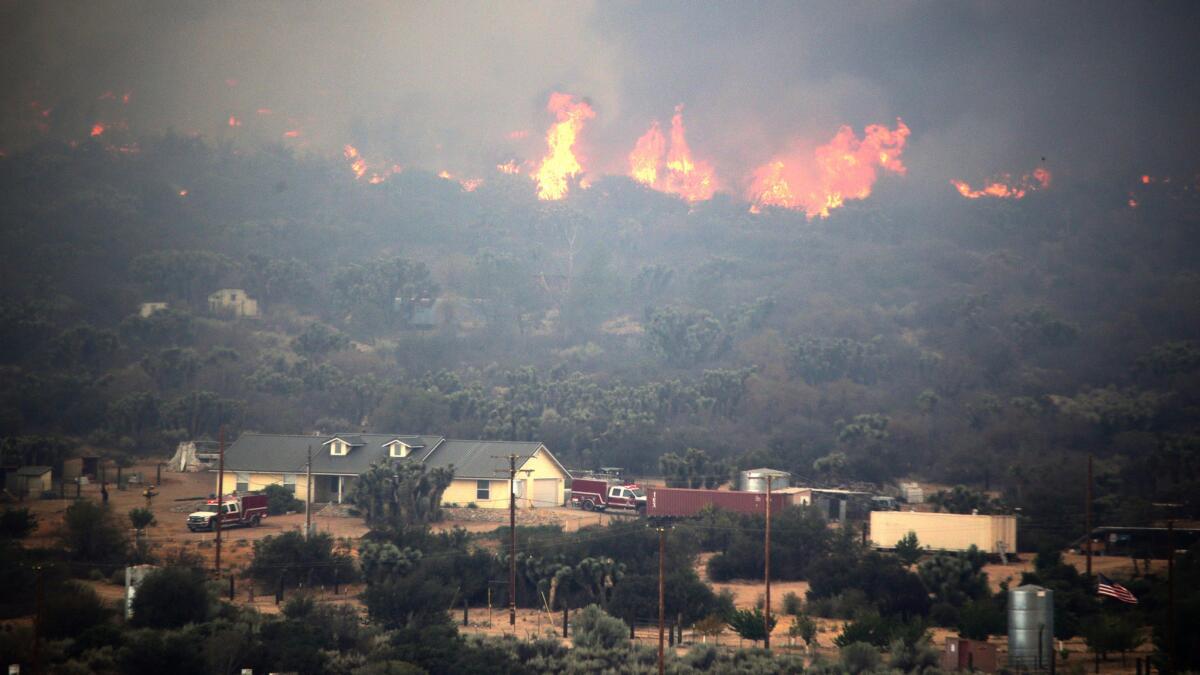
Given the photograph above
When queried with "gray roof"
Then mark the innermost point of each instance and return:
(481, 459)
(288, 453)
(32, 470)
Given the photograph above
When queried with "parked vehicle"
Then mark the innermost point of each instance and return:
(595, 494)
(238, 510)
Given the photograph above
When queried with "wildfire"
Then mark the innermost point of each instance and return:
(510, 167)
(1004, 187)
(358, 165)
(647, 155)
(234, 121)
(183, 193)
(98, 129)
(467, 184)
(844, 168)
(682, 175)
(561, 165)
(291, 133)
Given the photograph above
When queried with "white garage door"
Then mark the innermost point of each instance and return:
(545, 492)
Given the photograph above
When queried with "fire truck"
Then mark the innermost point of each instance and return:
(598, 494)
(246, 510)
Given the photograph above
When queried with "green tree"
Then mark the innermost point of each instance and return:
(683, 338)
(398, 494)
(860, 657)
(318, 340)
(909, 549)
(72, 608)
(172, 597)
(749, 624)
(91, 534)
(17, 523)
(189, 275)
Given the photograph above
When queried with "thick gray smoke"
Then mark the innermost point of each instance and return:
(1100, 89)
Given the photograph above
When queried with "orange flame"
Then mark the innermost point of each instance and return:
(646, 156)
(98, 128)
(183, 193)
(1004, 187)
(560, 165)
(510, 167)
(844, 168)
(692, 180)
(467, 184)
(234, 121)
(291, 133)
(357, 164)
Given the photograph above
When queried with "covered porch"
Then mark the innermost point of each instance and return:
(335, 488)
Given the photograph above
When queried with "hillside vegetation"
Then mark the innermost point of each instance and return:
(988, 344)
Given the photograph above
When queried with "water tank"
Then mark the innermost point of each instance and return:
(1030, 627)
(755, 480)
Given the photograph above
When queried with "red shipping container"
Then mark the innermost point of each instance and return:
(681, 502)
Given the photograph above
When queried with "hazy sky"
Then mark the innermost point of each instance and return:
(1099, 88)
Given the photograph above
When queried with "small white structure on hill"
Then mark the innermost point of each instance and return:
(233, 301)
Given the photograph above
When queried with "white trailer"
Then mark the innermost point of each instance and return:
(945, 531)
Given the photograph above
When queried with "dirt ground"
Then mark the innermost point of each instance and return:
(180, 494)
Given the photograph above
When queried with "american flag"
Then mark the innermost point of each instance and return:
(1114, 590)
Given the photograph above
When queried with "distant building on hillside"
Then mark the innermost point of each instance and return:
(233, 301)
(148, 308)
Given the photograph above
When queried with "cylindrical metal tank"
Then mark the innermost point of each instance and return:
(1031, 627)
(755, 480)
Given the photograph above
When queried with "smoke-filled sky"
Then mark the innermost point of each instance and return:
(1098, 88)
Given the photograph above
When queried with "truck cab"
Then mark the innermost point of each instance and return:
(626, 497)
(598, 494)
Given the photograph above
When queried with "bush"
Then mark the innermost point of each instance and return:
(91, 534)
(860, 657)
(171, 597)
(293, 559)
(71, 609)
(792, 604)
(17, 523)
(944, 614)
(595, 628)
(280, 500)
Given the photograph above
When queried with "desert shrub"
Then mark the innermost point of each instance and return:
(91, 533)
(860, 657)
(595, 628)
(792, 604)
(71, 609)
(171, 597)
(280, 500)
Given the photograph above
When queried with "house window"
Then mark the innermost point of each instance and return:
(400, 450)
(243, 481)
(289, 482)
(483, 490)
(337, 448)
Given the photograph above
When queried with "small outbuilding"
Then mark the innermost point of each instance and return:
(971, 655)
(30, 480)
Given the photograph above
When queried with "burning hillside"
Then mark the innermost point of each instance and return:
(1006, 187)
(823, 178)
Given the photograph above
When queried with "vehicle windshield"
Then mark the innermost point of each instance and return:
(637, 492)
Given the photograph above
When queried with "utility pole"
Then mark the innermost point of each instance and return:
(38, 618)
(308, 495)
(767, 571)
(220, 496)
(1171, 596)
(1088, 518)
(662, 597)
(512, 534)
